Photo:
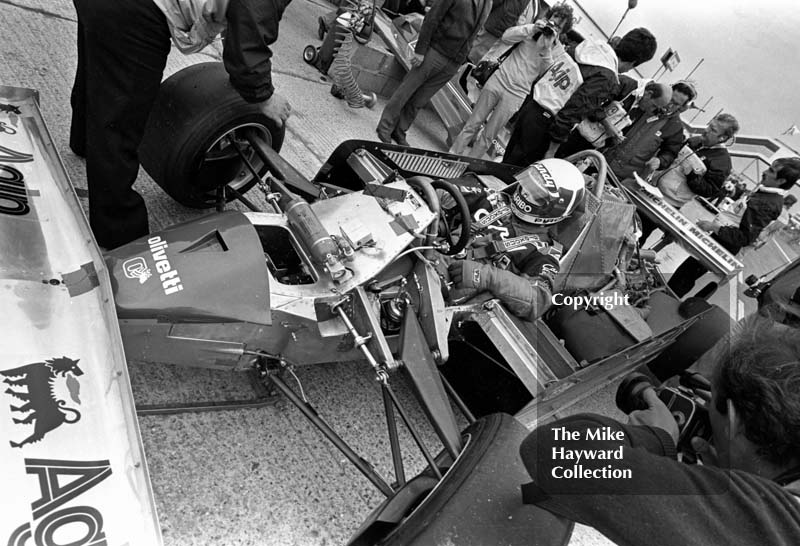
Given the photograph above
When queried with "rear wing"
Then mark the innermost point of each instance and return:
(71, 455)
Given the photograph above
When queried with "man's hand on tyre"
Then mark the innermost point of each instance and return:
(277, 108)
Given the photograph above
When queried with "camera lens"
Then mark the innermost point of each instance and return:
(629, 393)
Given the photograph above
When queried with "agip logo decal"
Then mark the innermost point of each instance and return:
(54, 524)
(32, 388)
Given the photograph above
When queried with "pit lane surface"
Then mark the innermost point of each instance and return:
(256, 476)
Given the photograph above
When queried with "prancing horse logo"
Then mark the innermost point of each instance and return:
(46, 411)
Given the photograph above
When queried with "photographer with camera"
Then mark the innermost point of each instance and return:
(570, 90)
(747, 491)
(533, 48)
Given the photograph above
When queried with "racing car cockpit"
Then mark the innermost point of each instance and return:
(347, 267)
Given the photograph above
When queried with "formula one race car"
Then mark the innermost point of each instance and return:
(339, 268)
(344, 267)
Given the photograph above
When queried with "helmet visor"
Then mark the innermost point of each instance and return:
(537, 194)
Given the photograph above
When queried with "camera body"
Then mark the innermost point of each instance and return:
(688, 409)
(755, 286)
(690, 413)
(550, 29)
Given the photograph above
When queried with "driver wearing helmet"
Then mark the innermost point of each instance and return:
(513, 255)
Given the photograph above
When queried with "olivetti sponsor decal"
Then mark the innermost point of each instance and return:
(170, 279)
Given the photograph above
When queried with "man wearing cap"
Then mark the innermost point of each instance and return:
(514, 257)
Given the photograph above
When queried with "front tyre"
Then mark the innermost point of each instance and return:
(189, 142)
(477, 502)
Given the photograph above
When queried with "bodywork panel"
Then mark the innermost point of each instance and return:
(71, 448)
(211, 269)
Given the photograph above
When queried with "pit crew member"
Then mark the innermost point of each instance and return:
(122, 51)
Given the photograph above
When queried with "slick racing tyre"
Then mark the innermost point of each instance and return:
(189, 145)
(478, 500)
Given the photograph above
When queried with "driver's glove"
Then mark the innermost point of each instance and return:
(468, 274)
(526, 296)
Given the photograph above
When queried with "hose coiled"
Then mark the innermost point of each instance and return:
(341, 68)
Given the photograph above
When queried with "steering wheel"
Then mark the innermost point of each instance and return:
(449, 222)
(446, 225)
(598, 162)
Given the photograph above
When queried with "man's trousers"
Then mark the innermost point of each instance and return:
(415, 91)
(122, 51)
(530, 139)
(494, 107)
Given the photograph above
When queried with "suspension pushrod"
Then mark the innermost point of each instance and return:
(310, 414)
(394, 441)
(240, 196)
(451, 392)
(358, 339)
(236, 193)
(412, 430)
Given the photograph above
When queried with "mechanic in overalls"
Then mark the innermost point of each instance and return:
(513, 255)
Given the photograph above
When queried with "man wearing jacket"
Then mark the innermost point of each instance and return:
(446, 36)
(652, 141)
(709, 148)
(629, 485)
(763, 207)
(122, 51)
(571, 90)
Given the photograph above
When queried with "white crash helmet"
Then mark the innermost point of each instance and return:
(548, 191)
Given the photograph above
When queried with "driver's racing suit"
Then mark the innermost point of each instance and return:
(513, 260)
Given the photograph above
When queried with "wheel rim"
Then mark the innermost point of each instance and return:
(221, 164)
(380, 534)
